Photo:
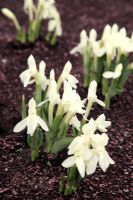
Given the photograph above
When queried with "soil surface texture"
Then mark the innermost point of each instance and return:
(20, 178)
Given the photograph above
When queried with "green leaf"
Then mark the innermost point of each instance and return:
(36, 140)
(34, 29)
(24, 110)
(34, 154)
(60, 144)
(21, 36)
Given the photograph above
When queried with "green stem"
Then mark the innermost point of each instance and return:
(24, 112)
(88, 109)
(86, 62)
(64, 125)
(73, 179)
(107, 101)
(50, 113)
(38, 97)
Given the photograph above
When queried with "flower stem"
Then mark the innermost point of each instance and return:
(50, 113)
(73, 179)
(38, 97)
(88, 109)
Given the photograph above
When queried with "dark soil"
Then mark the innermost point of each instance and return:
(20, 178)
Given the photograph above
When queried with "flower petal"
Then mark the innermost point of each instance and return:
(31, 124)
(32, 63)
(108, 74)
(42, 123)
(69, 162)
(20, 126)
(92, 164)
(81, 166)
(101, 103)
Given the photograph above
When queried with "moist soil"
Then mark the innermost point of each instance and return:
(22, 179)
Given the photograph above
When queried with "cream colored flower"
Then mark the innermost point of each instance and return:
(32, 121)
(116, 74)
(9, 14)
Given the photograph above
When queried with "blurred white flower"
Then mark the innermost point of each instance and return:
(82, 45)
(9, 14)
(54, 25)
(32, 72)
(92, 97)
(116, 74)
(65, 75)
(32, 121)
(29, 8)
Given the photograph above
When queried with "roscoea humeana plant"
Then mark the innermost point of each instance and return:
(103, 55)
(43, 10)
(53, 114)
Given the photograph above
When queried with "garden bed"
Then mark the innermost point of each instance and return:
(22, 179)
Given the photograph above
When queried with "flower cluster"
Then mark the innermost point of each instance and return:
(106, 58)
(45, 9)
(57, 112)
(88, 149)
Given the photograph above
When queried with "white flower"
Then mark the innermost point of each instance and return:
(40, 10)
(92, 36)
(9, 14)
(32, 72)
(79, 152)
(32, 121)
(54, 25)
(75, 123)
(49, 7)
(29, 8)
(89, 128)
(82, 45)
(98, 154)
(101, 123)
(65, 75)
(97, 50)
(92, 93)
(71, 100)
(53, 95)
(116, 74)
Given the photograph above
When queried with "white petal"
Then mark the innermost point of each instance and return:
(42, 67)
(89, 128)
(25, 77)
(92, 89)
(75, 122)
(20, 126)
(72, 80)
(69, 162)
(32, 63)
(108, 74)
(92, 164)
(42, 123)
(118, 71)
(51, 25)
(31, 124)
(32, 106)
(101, 103)
(81, 166)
